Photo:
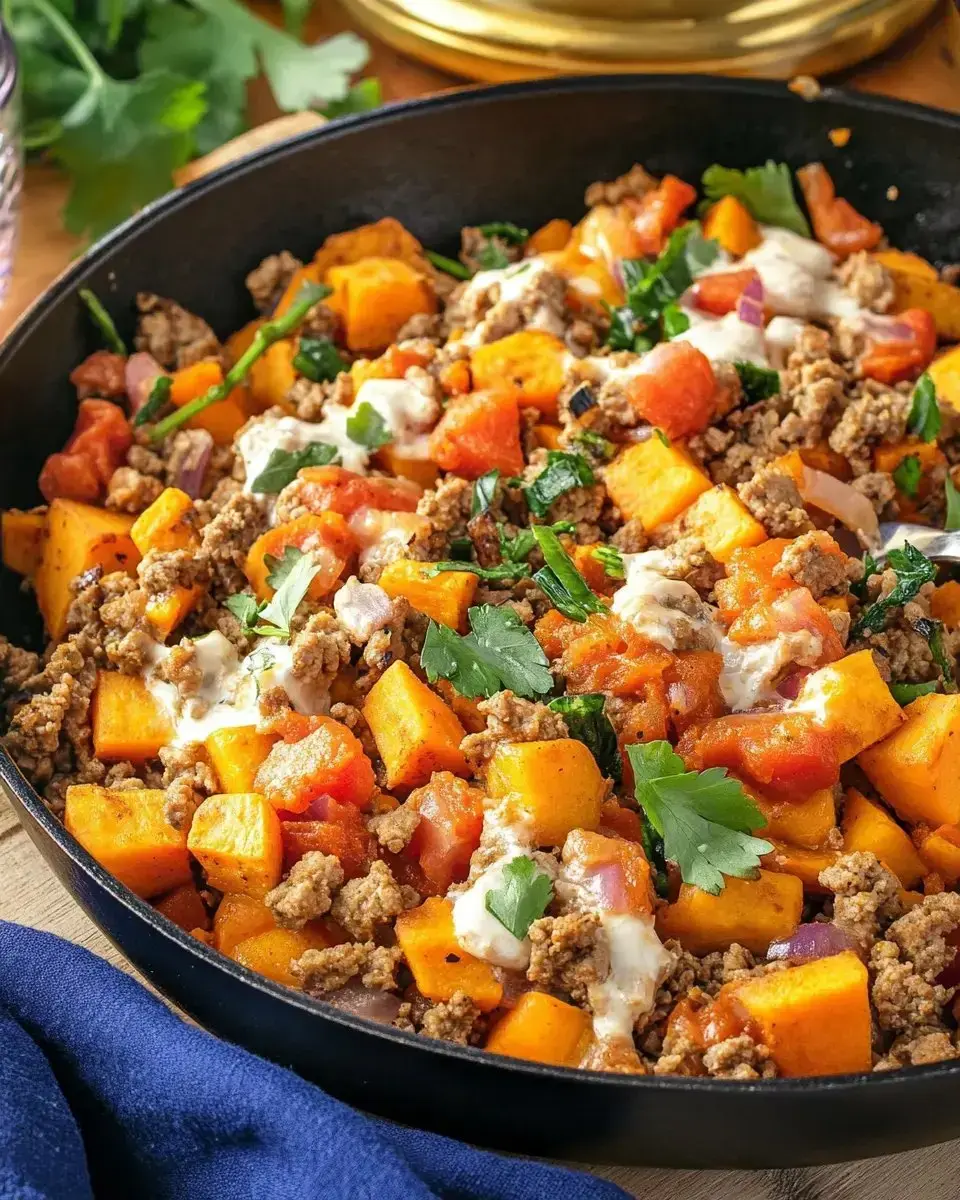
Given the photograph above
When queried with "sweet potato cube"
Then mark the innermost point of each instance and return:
(917, 768)
(127, 832)
(478, 432)
(945, 372)
(420, 470)
(941, 300)
(729, 223)
(375, 298)
(444, 597)
(239, 917)
(945, 603)
(329, 760)
(385, 238)
(557, 784)
(888, 457)
(439, 964)
(273, 375)
(416, 733)
(79, 537)
(272, 952)
(654, 483)
(723, 522)
(940, 852)
(127, 721)
(221, 420)
(22, 534)
(542, 1028)
(753, 912)
(184, 906)
(236, 839)
(814, 1018)
(904, 260)
(529, 364)
(868, 827)
(552, 236)
(804, 864)
(237, 753)
(165, 524)
(850, 701)
(805, 822)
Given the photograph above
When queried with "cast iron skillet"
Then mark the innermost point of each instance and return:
(524, 153)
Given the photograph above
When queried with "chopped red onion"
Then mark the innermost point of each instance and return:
(365, 1002)
(818, 939)
(750, 304)
(194, 465)
(317, 809)
(139, 375)
(789, 687)
(885, 329)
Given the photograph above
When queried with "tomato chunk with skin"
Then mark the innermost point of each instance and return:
(606, 654)
(328, 761)
(750, 578)
(343, 833)
(451, 820)
(792, 612)
(97, 446)
(326, 537)
(906, 353)
(674, 388)
(337, 490)
(478, 432)
(719, 293)
(693, 688)
(836, 222)
(659, 211)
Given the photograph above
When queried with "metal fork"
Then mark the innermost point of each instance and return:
(936, 544)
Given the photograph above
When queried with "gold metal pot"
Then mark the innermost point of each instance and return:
(496, 40)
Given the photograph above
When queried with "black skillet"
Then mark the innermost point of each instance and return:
(522, 153)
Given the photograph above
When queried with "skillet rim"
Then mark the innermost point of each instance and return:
(14, 782)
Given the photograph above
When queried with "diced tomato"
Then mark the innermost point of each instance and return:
(325, 536)
(792, 612)
(343, 833)
(904, 355)
(337, 490)
(705, 1025)
(451, 819)
(658, 213)
(477, 433)
(693, 688)
(614, 872)
(618, 821)
(327, 761)
(97, 446)
(836, 222)
(750, 579)
(674, 388)
(101, 374)
(647, 719)
(719, 294)
(606, 654)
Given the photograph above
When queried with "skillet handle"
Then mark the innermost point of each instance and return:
(249, 142)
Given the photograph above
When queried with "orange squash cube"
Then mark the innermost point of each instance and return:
(165, 524)
(806, 865)
(940, 852)
(850, 700)
(528, 364)
(239, 917)
(237, 752)
(222, 420)
(375, 297)
(557, 785)
(723, 523)
(237, 841)
(184, 906)
(22, 534)
(867, 827)
(127, 721)
(753, 912)
(945, 603)
(729, 223)
(439, 964)
(653, 483)
(542, 1028)
(803, 823)
(444, 597)
(272, 952)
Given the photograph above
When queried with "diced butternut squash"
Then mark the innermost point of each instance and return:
(239, 917)
(79, 537)
(851, 702)
(528, 364)
(444, 597)
(945, 603)
(420, 470)
(221, 420)
(904, 260)
(184, 906)
(312, 273)
(440, 966)
(917, 768)
(273, 952)
(477, 433)
(868, 827)
(723, 522)
(805, 865)
(236, 839)
(945, 372)
(653, 483)
(416, 733)
(375, 297)
(552, 236)
(127, 721)
(940, 852)
(940, 300)
(888, 457)
(22, 535)
(805, 822)
(548, 436)
(557, 785)
(167, 525)
(272, 376)
(385, 238)
(324, 759)
(753, 912)
(729, 223)
(241, 341)
(127, 832)
(543, 1029)
(237, 752)
(814, 1018)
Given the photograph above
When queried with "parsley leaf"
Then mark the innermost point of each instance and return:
(318, 359)
(449, 266)
(932, 630)
(596, 444)
(245, 608)
(158, 399)
(913, 569)
(561, 582)
(758, 383)
(362, 97)
(283, 465)
(491, 258)
(563, 473)
(522, 897)
(291, 576)
(907, 475)
(507, 570)
(506, 230)
(952, 521)
(904, 693)
(924, 419)
(484, 491)
(704, 817)
(870, 568)
(675, 321)
(367, 427)
(588, 723)
(103, 321)
(499, 652)
(766, 192)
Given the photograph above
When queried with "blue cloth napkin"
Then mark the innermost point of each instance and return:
(104, 1092)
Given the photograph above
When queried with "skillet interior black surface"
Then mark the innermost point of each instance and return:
(524, 153)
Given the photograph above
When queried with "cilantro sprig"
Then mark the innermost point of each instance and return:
(561, 582)
(766, 192)
(913, 569)
(498, 653)
(758, 383)
(367, 427)
(522, 897)
(318, 359)
(291, 576)
(588, 723)
(512, 234)
(563, 473)
(518, 548)
(283, 465)
(104, 322)
(924, 420)
(506, 570)
(704, 817)
(932, 631)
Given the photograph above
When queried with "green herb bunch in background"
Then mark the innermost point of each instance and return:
(121, 93)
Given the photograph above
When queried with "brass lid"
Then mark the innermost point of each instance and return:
(499, 40)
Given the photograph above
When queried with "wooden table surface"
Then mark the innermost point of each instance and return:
(926, 69)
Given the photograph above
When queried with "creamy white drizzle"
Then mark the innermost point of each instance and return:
(513, 284)
(748, 673)
(362, 608)
(727, 340)
(656, 606)
(479, 932)
(639, 962)
(408, 410)
(260, 437)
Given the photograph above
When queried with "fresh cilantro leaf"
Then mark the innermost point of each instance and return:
(588, 723)
(103, 321)
(490, 257)
(660, 436)
(704, 817)
(611, 560)
(507, 570)
(291, 576)
(758, 383)
(904, 693)
(294, 14)
(952, 521)
(596, 444)
(561, 582)
(318, 359)
(623, 328)
(675, 321)
(522, 897)
(244, 608)
(367, 427)
(924, 420)
(449, 266)
(766, 192)
(499, 652)
(158, 399)
(870, 568)
(932, 630)
(362, 97)
(506, 231)
(913, 569)
(562, 474)
(907, 475)
(484, 491)
(283, 465)
(653, 848)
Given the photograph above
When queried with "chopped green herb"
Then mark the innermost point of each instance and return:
(952, 521)
(563, 473)
(449, 266)
(660, 436)
(907, 475)
(506, 230)
(588, 723)
(245, 608)
(870, 568)
(611, 560)
(904, 693)
(561, 582)
(362, 96)
(932, 630)
(519, 547)
(499, 652)
(653, 848)
(766, 192)
(913, 570)
(622, 334)
(290, 576)
(366, 427)
(158, 399)
(461, 549)
(522, 897)
(704, 817)
(675, 321)
(758, 383)
(924, 420)
(507, 570)
(318, 359)
(484, 491)
(283, 465)
(103, 321)
(596, 444)
(491, 258)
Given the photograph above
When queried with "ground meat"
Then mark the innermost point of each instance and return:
(307, 892)
(739, 1058)
(355, 721)
(921, 934)
(184, 450)
(904, 650)
(511, 719)
(227, 539)
(144, 460)
(189, 778)
(131, 492)
(363, 904)
(540, 302)
(580, 505)
(566, 954)
(878, 487)
(452, 1021)
(101, 374)
(635, 183)
(688, 560)
(865, 893)
(400, 638)
(176, 338)
(181, 668)
(868, 281)
(812, 561)
(906, 1051)
(878, 416)
(631, 538)
(328, 970)
(394, 829)
(905, 1002)
(267, 283)
(447, 507)
(775, 502)
(421, 326)
(16, 665)
(473, 243)
(308, 399)
(320, 650)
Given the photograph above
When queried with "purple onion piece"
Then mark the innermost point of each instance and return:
(365, 1002)
(194, 465)
(818, 939)
(886, 329)
(750, 304)
(139, 375)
